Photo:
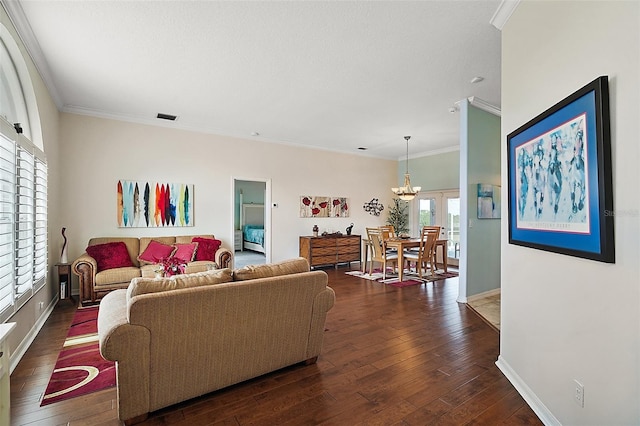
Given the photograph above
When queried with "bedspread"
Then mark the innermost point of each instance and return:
(254, 234)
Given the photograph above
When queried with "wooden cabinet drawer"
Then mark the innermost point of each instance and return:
(348, 257)
(323, 251)
(324, 242)
(323, 260)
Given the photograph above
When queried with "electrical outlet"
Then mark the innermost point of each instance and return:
(579, 393)
(41, 305)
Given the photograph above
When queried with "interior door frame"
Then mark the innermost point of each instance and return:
(441, 212)
(267, 211)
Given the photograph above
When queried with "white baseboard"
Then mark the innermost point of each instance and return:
(527, 394)
(17, 355)
(485, 294)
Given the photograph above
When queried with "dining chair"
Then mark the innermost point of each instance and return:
(425, 253)
(388, 231)
(380, 254)
(435, 229)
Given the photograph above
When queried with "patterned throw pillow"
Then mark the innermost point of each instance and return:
(110, 255)
(207, 248)
(155, 252)
(185, 252)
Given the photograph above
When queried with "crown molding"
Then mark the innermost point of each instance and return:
(503, 13)
(30, 42)
(484, 105)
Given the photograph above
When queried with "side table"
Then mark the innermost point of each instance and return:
(64, 281)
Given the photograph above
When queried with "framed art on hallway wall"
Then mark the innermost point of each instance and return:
(560, 178)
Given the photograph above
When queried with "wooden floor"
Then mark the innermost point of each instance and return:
(392, 356)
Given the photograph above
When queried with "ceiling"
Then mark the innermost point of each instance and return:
(335, 75)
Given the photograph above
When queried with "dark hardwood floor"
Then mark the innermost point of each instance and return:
(392, 356)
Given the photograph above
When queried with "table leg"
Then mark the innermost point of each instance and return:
(366, 256)
(444, 257)
(400, 263)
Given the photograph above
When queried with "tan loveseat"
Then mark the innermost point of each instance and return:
(177, 338)
(95, 284)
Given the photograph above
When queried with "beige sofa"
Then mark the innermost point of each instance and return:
(95, 284)
(177, 338)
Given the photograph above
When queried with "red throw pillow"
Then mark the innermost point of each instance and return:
(110, 255)
(155, 252)
(207, 248)
(185, 252)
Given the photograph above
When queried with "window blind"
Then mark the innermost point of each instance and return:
(23, 221)
(40, 243)
(7, 212)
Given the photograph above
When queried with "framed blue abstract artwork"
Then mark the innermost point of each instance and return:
(560, 179)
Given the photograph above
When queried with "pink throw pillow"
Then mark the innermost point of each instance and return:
(155, 252)
(185, 252)
(110, 255)
(207, 248)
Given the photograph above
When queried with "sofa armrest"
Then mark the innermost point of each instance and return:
(322, 303)
(86, 268)
(127, 345)
(224, 258)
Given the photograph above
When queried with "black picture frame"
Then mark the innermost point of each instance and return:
(560, 179)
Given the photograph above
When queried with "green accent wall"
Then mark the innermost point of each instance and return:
(483, 235)
(433, 172)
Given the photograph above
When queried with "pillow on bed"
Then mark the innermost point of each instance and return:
(207, 248)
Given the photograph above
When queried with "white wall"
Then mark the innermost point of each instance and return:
(565, 318)
(100, 151)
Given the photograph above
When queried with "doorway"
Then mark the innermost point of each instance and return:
(440, 208)
(251, 221)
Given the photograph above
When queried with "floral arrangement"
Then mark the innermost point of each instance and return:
(170, 266)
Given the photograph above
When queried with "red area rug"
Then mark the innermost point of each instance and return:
(405, 283)
(80, 369)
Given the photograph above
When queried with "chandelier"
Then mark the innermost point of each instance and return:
(406, 192)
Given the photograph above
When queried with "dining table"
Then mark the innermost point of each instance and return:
(401, 244)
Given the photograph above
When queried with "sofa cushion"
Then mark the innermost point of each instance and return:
(149, 271)
(185, 252)
(207, 248)
(117, 276)
(140, 286)
(110, 255)
(155, 252)
(252, 272)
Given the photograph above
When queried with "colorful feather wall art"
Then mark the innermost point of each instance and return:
(154, 204)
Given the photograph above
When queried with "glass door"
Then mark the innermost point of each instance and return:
(440, 209)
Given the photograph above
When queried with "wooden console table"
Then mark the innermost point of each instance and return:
(330, 250)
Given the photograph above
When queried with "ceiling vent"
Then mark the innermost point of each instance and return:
(167, 116)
